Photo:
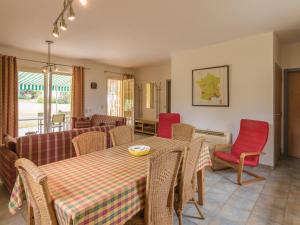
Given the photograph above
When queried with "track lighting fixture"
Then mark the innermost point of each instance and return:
(60, 20)
(55, 31)
(63, 24)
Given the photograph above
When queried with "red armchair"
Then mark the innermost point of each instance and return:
(246, 150)
(166, 120)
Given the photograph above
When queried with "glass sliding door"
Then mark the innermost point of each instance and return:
(61, 102)
(31, 102)
(38, 103)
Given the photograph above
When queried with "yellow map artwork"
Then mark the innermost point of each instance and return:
(210, 87)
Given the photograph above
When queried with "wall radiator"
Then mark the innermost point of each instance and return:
(214, 137)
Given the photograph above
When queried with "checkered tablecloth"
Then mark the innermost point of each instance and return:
(104, 187)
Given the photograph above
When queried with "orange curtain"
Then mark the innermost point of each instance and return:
(8, 97)
(78, 91)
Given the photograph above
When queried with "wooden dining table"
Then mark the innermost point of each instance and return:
(103, 187)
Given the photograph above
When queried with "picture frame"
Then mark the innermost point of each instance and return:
(94, 85)
(210, 86)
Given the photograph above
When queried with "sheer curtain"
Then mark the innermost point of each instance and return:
(128, 98)
(77, 91)
(114, 97)
(8, 96)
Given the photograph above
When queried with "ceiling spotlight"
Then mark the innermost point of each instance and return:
(55, 31)
(44, 69)
(55, 68)
(83, 2)
(63, 24)
(71, 15)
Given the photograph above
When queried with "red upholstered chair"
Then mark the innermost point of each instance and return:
(246, 150)
(166, 120)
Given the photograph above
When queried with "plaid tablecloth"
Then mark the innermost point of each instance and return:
(104, 187)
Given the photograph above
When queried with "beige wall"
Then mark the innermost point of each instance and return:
(158, 74)
(251, 85)
(95, 100)
(290, 55)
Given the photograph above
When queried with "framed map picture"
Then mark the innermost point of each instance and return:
(211, 86)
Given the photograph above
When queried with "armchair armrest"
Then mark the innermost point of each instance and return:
(245, 154)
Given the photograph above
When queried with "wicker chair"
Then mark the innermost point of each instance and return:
(40, 205)
(183, 132)
(89, 142)
(163, 167)
(187, 185)
(122, 135)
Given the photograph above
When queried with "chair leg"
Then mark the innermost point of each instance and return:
(198, 209)
(240, 173)
(201, 217)
(179, 215)
(30, 216)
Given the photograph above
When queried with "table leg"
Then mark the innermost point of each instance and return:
(201, 186)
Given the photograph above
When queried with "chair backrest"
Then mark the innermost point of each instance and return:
(163, 167)
(183, 132)
(58, 118)
(89, 142)
(36, 190)
(165, 122)
(187, 182)
(122, 135)
(252, 137)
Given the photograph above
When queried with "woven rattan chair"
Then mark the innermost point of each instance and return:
(40, 205)
(89, 142)
(183, 132)
(122, 135)
(187, 184)
(163, 167)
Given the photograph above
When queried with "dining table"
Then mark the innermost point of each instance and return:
(103, 187)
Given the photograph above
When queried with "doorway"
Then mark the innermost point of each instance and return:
(292, 112)
(168, 95)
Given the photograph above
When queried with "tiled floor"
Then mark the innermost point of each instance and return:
(271, 202)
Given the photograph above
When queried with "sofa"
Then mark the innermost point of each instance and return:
(97, 120)
(41, 149)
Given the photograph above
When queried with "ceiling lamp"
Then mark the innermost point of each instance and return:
(71, 15)
(55, 31)
(67, 8)
(83, 2)
(63, 24)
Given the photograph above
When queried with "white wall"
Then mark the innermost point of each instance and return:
(251, 85)
(158, 74)
(95, 100)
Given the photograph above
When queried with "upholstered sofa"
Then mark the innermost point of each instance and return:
(97, 120)
(41, 149)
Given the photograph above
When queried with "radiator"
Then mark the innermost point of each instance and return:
(211, 139)
(214, 137)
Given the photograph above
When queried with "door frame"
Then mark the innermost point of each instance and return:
(285, 108)
(168, 95)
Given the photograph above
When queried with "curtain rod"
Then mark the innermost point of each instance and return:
(58, 64)
(107, 71)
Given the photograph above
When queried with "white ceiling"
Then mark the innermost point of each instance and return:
(133, 33)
